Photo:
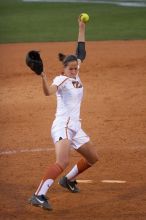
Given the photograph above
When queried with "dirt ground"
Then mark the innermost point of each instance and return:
(113, 114)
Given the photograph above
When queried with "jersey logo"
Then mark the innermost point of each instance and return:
(76, 84)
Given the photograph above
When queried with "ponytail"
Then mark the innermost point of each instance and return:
(61, 57)
(66, 59)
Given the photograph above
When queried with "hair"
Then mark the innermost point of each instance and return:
(66, 59)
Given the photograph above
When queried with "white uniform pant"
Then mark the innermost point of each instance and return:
(70, 129)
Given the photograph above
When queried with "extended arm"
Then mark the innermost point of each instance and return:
(48, 90)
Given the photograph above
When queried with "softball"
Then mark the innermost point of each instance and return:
(84, 17)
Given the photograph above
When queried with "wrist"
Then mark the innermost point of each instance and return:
(43, 75)
(82, 25)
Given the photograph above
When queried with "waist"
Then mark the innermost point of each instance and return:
(67, 118)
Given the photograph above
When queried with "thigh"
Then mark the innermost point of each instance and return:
(62, 149)
(79, 139)
(60, 130)
(89, 152)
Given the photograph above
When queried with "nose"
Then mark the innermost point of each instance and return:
(73, 71)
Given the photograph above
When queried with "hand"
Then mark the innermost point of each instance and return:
(81, 23)
(81, 31)
(43, 75)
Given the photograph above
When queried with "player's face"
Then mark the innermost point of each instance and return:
(71, 69)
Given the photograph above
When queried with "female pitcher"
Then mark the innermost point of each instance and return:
(66, 129)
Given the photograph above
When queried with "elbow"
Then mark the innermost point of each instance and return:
(46, 93)
(81, 51)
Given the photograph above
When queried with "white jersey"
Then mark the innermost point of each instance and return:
(69, 96)
(67, 124)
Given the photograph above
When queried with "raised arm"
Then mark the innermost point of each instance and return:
(81, 51)
(81, 34)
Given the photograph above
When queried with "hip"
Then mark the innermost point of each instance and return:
(66, 122)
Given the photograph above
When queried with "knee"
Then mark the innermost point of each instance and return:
(63, 163)
(94, 159)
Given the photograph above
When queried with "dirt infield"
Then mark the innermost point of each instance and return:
(113, 114)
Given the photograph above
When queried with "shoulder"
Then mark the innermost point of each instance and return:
(59, 80)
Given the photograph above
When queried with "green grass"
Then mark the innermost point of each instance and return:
(40, 22)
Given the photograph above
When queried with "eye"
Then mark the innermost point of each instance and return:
(73, 68)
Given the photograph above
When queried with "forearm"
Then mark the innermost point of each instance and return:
(45, 84)
(81, 50)
(81, 34)
(48, 90)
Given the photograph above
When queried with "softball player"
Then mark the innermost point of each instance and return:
(66, 129)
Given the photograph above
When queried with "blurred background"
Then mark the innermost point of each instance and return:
(44, 20)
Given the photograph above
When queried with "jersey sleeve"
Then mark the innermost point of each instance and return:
(59, 81)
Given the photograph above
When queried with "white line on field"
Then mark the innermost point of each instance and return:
(85, 181)
(10, 152)
(113, 181)
(121, 3)
(103, 181)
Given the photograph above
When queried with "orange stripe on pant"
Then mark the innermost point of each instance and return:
(66, 128)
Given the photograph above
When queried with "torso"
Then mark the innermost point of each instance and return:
(69, 96)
